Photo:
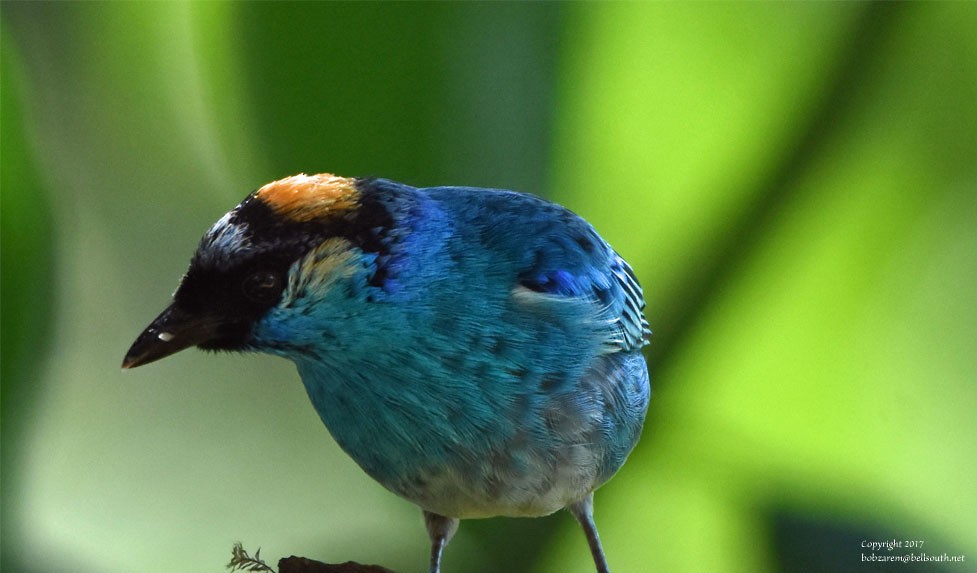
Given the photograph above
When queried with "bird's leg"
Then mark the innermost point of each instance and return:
(583, 510)
(440, 529)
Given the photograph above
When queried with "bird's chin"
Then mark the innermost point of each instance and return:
(229, 343)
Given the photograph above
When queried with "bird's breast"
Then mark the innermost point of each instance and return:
(475, 438)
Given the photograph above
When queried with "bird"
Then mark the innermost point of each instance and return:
(476, 351)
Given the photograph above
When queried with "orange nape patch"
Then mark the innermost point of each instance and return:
(304, 197)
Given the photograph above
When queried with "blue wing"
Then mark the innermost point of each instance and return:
(564, 256)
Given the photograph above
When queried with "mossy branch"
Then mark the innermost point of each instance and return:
(241, 560)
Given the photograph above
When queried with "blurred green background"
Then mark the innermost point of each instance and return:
(795, 184)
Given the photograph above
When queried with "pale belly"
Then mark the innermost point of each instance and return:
(502, 485)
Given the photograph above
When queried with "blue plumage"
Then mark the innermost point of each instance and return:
(475, 351)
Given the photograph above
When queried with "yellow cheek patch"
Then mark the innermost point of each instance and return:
(303, 198)
(319, 270)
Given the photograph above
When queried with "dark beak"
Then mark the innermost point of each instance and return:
(171, 332)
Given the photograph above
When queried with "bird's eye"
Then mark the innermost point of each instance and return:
(262, 286)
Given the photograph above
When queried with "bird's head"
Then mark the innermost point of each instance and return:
(294, 248)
